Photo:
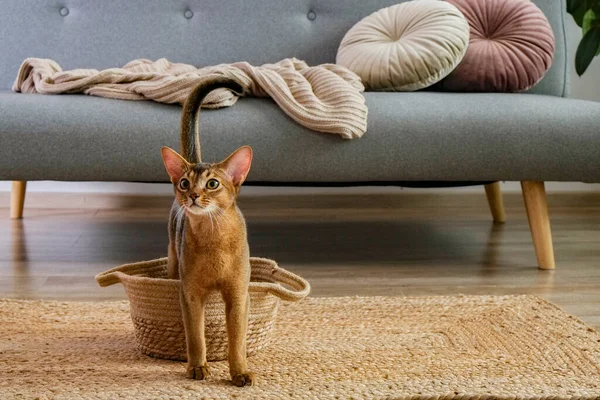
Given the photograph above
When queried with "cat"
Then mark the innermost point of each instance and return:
(208, 247)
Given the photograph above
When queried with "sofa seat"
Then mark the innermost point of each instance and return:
(420, 136)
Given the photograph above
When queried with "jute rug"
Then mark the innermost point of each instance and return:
(514, 347)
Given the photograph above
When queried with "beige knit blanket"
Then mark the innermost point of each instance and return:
(325, 98)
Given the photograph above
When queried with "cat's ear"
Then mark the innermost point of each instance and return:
(174, 163)
(237, 165)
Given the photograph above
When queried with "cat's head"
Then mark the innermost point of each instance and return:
(206, 188)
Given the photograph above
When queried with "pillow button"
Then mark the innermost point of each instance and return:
(64, 11)
(311, 15)
(188, 14)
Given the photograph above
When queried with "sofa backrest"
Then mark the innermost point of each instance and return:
(109, 33)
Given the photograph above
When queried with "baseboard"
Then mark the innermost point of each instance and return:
(351, 200)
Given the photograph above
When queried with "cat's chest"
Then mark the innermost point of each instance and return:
(212, 256)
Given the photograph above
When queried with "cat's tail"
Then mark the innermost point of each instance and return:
(190, 130)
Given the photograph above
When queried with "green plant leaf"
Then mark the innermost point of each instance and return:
(587, 49)
(578, 8)
(588, 20)
(574, 4)
(591, 18)
(596, 21)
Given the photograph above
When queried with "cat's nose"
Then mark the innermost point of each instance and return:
(194, 196)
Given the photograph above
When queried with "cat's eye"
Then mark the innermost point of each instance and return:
(212, 184)
(184, 184)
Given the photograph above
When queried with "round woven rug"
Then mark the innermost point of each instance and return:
(513, 347)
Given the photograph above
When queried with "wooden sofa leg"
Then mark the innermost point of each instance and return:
(494, 197)
(534, 194)
(17, 199)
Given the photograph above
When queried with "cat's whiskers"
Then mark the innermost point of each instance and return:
(212, 227)
(220, 214)
(180, 211)
(220, 211)
(179, 215)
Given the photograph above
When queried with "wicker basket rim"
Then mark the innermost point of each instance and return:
(269, 275)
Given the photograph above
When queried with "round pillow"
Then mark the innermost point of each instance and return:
(510, 50)
(405, 47)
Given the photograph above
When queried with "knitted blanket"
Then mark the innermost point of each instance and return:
(324, 98)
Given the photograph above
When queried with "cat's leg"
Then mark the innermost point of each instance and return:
(173, 260)
(192, 307)
(237, 305)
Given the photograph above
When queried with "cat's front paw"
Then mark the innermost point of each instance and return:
(199, 372)
(245, 379)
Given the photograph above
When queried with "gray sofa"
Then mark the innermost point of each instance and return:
(423, 137)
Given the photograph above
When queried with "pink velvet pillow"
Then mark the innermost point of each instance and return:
(510, 48)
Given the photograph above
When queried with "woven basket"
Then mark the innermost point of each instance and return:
(157, 318)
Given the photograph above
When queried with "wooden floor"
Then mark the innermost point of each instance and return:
(385, 244)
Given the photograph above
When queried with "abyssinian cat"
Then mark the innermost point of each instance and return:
(208, 247)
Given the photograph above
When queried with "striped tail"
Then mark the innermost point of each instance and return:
(190, 130)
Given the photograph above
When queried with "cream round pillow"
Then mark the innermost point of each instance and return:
(406, 47)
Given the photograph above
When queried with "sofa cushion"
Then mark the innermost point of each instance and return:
(510, 49)
(406, 47)
(411, 137)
